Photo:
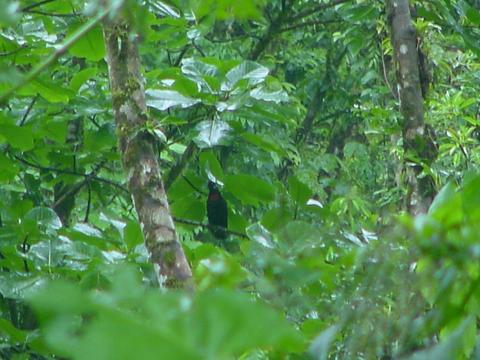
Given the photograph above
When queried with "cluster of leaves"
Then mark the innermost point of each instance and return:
(317, 272)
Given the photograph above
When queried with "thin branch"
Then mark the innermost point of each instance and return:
(193, 186)
(177, 169)
(57, 53)
(44, 13)
(34, 5)
(198, 48)
(269, 35)
(314, 9)
(25, 248)
(30, 106)
(74, 173)
(233, 38)
(308, 23)
(385, 75)
(92, 119)
(77, 187)
(208, 226)
(180, 57)
(13, 52)
(89, 202)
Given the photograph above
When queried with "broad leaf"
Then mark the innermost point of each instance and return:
(212, 133)
(249, 189)
(18, 137)
(165, 99)
(90, 46)
(250, 71)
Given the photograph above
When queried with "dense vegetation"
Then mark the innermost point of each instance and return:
(292, 107)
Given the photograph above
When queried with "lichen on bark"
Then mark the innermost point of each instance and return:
(139, 157)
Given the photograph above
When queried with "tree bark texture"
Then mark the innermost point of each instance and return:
(419, 146)
(139, 159)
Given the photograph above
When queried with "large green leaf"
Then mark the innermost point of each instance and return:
(229, 9)
(8, 168)
(132, 234)
(212, 133)
(16, 286)
(90, 46)
(128, 323)
(165, 99)
(204, 74)
(249, 189)
(45, 217)
(189, 208)
(252, 72)
(264, 94)
(299, 192)
(450, 348)
(50, 91)
(18, 137)
(210, 163)
(264, 142)
(81, 77)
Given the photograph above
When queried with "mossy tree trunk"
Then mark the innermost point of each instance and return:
(139, 159)
(418, 138)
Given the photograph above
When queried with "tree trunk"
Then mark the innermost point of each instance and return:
(65, 194)
(139, 159)
(419, 145)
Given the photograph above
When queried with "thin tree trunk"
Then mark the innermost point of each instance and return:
(65, 194)
(419, 146)
(137, 148)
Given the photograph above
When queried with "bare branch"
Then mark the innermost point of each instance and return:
(44, 13)
(208, 226)
(70, 172)
(30, 107)
(177, 169)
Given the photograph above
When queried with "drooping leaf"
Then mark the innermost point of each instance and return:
(45, 217)
(205, 75)
(209, 162)
(264, 94)
(165, 99)
(252, 72)
(264, 142)
(81, 77)
(259, 234)
(321, 344)
(299, 192)
(47, 89)
(16, 286)
(212, 133)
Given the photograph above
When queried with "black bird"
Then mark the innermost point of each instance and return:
(217, 212)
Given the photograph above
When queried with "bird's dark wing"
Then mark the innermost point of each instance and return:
(217, 213)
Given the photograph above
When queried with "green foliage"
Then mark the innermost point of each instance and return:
(329, 265)
(126, 318)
